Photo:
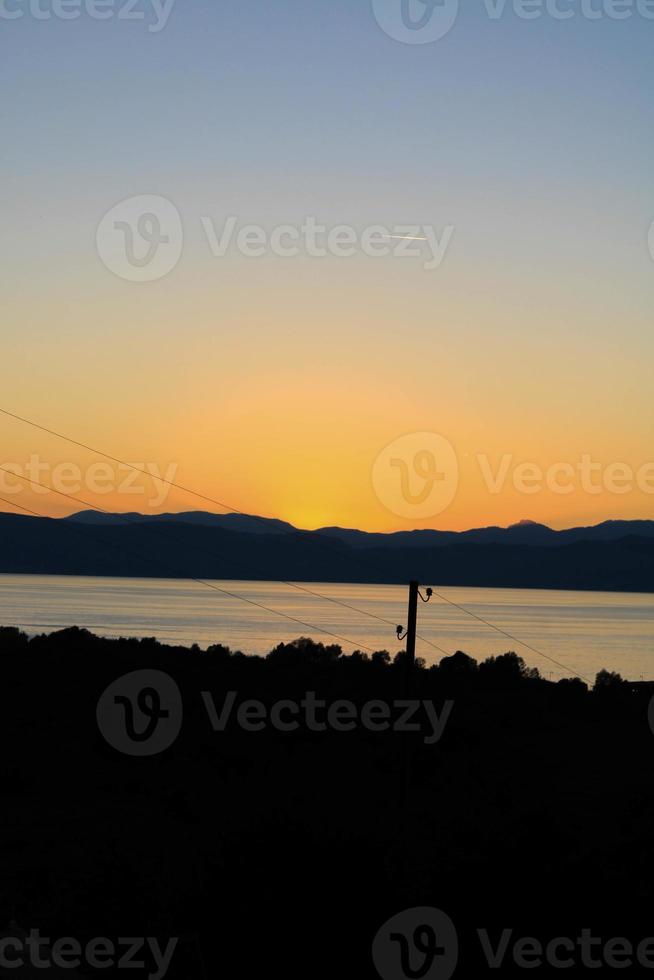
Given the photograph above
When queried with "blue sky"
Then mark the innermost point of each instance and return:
(532, 138)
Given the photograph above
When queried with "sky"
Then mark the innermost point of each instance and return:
(501, 371)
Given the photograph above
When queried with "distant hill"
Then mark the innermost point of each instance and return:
(524, 532)
(616, 555)
(232, 522)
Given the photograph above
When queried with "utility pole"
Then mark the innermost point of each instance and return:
(411, 633)
(410, 636)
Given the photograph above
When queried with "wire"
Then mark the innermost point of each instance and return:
(164, 531)
(515, 639)
(263, 521)
(232, 595)
(319, 543)
(139, 469)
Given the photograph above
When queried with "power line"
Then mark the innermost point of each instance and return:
(232, 595)
(76, 528)
(164, 531)
(122, 462)
(263, 521)
(178, 486)
(213, 500)
(515, 639)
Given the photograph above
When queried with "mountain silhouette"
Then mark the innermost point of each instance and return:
(234, 522)
(614, 556)
(523, 532)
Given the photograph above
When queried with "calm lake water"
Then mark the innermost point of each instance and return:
(586, 631)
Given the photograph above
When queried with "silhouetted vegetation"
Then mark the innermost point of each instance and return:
(534, 806)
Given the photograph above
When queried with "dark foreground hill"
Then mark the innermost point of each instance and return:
(173, 549)
(272, 851)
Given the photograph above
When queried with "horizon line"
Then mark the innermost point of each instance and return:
(235, 515)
